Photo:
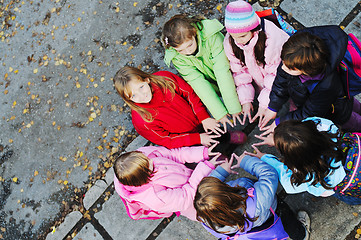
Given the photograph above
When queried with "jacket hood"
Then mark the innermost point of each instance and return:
(210, 27)
(335, 39)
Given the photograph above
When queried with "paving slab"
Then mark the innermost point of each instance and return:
(183, 228)
(88, 232)
(69, 222)
(355, 27)
(318, 12)
(94, 193)
(113, 217)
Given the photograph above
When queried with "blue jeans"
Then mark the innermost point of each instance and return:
(348, 199)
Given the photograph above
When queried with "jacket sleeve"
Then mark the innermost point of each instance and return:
(181, 198)
(184, 154)
(279, 94)
(202, 87)
(188, 94)
(241, 76)
(219, 173)
(223, 74)
(155, 133)
(267, 183)
(318, 103)
(275, 40)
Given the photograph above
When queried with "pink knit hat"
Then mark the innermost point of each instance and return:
(240, 17)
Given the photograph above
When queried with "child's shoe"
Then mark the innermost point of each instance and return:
(237, 137)
(304, 218)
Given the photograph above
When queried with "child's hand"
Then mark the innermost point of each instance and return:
(267, 140)
(224, 120)
(212, 125)
(258, 153)
(238, 158)
(235, 117)
(268, 115)
(269, 129)
(227, 165)
(210, 149)
(247, 109)
(260, 113)
(216, 161)
(207, 139)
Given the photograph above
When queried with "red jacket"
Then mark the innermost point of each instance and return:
(177, 120)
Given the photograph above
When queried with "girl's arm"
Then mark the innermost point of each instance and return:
(181, 198)
(223, 74)
(267, 183)
(184, 154)
(279, 93)
(202, 87)
(187, 92)
(318, 103)
(242, 78)
(155, 133)
(276, 37)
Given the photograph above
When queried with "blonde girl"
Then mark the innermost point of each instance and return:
(165, 109)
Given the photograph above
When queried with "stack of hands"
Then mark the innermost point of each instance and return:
(213, 128)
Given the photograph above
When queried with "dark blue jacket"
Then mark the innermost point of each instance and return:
(323, 98)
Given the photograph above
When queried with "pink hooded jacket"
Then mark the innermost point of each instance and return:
(172, 186)
(263, 76)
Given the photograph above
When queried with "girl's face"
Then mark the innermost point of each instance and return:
(140, 92)
(242, 38)
(293, 72)
(188, 47)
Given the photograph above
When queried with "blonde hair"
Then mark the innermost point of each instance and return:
(126, 74)
(132, 169)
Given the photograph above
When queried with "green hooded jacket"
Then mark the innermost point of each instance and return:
(208, 71)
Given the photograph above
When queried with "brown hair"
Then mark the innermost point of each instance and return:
(259, 48)
(132, 169)
(126, 74)
(180, 28)
(305, 52)
(218, 204)
(306, 151)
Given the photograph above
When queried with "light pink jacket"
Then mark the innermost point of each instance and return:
(172, 187)
(263, 77)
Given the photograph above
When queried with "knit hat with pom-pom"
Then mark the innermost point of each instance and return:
(240, 17)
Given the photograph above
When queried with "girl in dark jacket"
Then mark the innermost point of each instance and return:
(308, 76)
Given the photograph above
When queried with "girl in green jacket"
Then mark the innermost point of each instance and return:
(195, 47)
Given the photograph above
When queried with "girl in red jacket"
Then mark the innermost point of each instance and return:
(167, 112)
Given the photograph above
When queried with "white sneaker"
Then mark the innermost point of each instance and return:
(304, 218)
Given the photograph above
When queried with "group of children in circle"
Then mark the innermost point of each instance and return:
(226, 75)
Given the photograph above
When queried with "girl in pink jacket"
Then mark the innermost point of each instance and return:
(153, 182)
(254, 55)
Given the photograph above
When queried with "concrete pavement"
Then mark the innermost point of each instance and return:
(62, 121)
